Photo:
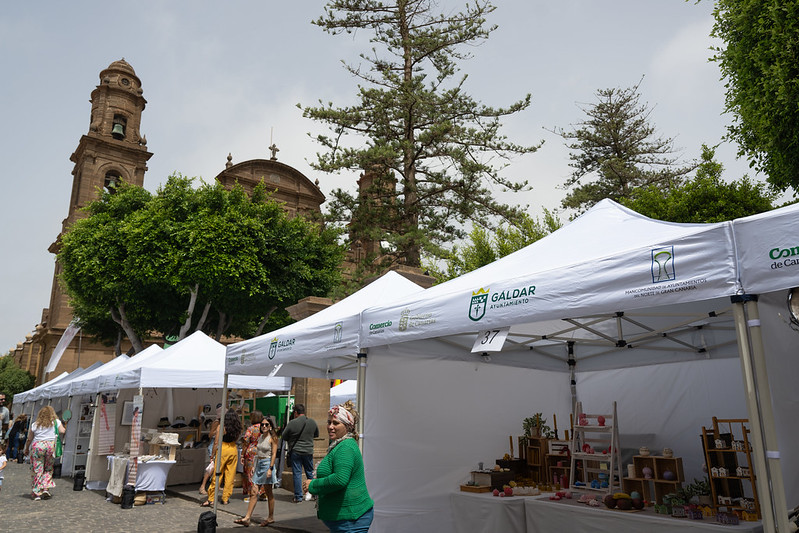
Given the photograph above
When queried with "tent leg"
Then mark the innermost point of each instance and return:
(218, 441)
(770, 487)
(361, 395)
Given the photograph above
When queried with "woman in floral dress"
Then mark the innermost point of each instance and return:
(249, 444)
(41, 449)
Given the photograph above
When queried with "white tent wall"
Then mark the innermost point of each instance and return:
(422, 441)
(665, 406)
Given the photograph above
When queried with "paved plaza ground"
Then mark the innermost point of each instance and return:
(88, 511)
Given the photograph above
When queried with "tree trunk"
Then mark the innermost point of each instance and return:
(119, 316)
(411, 197)
(261, 326)
(192, 302)
(203, 317)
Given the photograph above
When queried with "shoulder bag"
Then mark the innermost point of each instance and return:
(58, 448)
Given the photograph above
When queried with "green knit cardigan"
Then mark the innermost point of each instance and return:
(340, 484)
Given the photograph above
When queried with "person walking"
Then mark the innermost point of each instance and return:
(344, 503)
(3, 463)
(5, 416)
(228, 459)
(249, 442)
(40, 447)
(299, 435)
(17, 436)
(264, 476)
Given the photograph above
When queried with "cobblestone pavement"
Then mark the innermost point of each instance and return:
(87, 511)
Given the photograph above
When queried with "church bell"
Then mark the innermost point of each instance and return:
(118, 131)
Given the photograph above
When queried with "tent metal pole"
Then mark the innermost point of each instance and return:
(572, 377)
(361, 395)
(770, 487)
(218, 460)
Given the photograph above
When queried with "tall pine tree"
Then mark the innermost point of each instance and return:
(432, 153)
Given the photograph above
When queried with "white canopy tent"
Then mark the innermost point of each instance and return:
(607, 293)
(343, 392)
(324, 344)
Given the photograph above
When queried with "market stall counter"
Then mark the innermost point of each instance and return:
(485, 513)
(543, 515)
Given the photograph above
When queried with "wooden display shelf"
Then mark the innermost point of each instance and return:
(653, 489)
(731, 491)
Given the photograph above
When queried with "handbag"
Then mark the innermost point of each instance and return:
(58, 448)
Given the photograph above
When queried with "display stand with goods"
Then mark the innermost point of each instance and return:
(558, 462)
(596, 453)
(663, 474)
(728, 456)
(536, 466)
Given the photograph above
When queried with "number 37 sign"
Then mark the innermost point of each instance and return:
(490, 340)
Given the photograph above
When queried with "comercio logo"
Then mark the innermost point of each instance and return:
(784, 257)
(663, 264)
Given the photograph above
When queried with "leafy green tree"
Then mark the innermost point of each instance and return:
(616, 151)
(485, 247)
(759, 65)
(185, 259)
(433, 153)
(705, 198)
(13, 379)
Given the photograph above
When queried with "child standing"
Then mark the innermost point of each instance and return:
(3, 462)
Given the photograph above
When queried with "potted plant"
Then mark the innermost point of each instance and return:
(699, 490)
(537, 427)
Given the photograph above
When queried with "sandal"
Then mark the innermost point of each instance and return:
(206, 503)
(242, 522)
(267, 522)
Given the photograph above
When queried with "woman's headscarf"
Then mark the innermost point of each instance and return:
(343, 415)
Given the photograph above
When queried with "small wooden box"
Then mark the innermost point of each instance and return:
(166, 450)
(475, 488)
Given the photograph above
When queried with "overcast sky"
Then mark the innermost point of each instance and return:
(225, 77)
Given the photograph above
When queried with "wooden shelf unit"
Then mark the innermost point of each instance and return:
(587, 467)
(558, 451)
(653, 489)
(535, 455)
(731, 451)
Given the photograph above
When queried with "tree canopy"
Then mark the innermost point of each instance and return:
(433, 154)
(13, 379)
(705, 198)
(758, 62)
(616, 151)
(186, 259)
(484, 247)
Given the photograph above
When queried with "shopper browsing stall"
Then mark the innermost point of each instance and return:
(228, 459)
(249, 442)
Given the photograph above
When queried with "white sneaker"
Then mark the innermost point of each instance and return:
(46, 495)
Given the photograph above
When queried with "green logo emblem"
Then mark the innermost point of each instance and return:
(477, 307)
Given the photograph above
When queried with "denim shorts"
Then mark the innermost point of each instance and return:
(259, 477)
(359, 525)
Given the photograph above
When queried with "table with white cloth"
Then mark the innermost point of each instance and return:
(545, 516)
(485, 513)
(150, 475)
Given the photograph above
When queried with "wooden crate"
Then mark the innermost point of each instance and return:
(475, 488)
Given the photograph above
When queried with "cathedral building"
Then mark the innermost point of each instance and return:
(114, 149)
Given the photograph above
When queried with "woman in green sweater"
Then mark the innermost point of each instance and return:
(344, 504)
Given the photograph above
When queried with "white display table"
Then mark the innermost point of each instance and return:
(485, 513)
(545, 516)
(150, 475)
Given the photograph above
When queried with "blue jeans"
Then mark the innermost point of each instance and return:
(359, 525)
(300, 461)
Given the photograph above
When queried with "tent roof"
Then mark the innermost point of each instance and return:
(25, 395)
(608, 260)
(87, 383)
(198, 361)
(326, 342)
(44, 390)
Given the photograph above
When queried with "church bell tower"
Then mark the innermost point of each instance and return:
(113, 149)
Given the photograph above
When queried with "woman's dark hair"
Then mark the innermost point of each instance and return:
(256, 417)
(232, 425)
